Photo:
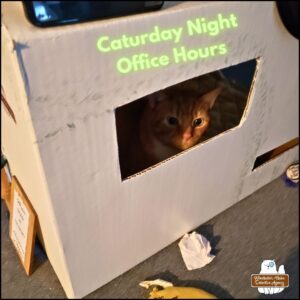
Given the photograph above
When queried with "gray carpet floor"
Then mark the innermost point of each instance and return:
(263, 226)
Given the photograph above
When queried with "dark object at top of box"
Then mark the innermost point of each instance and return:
(52, 13)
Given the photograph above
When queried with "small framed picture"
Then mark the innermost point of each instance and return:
(22, 225)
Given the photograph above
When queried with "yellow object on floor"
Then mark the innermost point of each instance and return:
(175, 292)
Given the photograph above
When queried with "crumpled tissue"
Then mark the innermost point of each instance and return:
(195, 250)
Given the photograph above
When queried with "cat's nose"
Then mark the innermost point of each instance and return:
(187, 135)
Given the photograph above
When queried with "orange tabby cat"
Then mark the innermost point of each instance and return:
(174, 120)
(170, 121)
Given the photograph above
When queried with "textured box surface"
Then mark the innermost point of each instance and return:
(64, 150)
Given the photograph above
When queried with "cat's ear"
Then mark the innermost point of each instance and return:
(210, 97)
(155, 98)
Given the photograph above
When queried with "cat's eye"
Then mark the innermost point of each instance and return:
(197, 122)
(172, 121)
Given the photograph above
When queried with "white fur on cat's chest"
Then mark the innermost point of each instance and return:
(161, 151)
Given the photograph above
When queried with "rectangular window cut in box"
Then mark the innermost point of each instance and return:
(165, 123)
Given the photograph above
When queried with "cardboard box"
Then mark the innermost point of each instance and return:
(63, 147)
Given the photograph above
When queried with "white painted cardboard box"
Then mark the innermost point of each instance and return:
(63, 146)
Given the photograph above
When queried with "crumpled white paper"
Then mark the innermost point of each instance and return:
(195, 250)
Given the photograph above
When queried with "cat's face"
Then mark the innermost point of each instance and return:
(179, 119)
(268, 266)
